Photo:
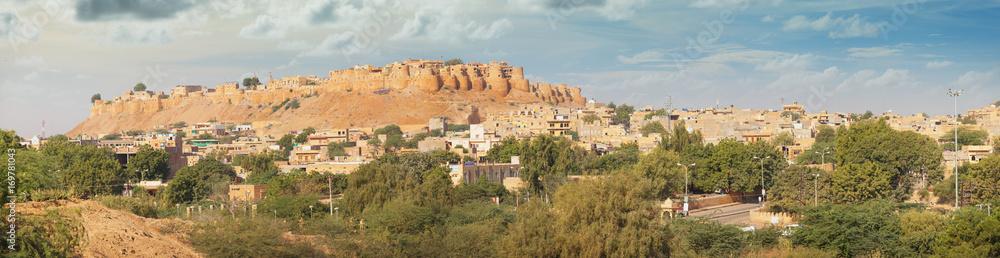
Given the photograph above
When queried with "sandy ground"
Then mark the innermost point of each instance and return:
(114, 233)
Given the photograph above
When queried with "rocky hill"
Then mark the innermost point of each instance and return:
(406, 93)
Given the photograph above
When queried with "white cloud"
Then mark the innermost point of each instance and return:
(642, 57)
(495, 30)
(614, 10)
(840, 27)
(973, 80)
(793, 63)
(31, 76)
(263, 27)
(293, 45)
(938, 64)
(139, 34)
(30, 61)
(769, 18)
(335, 43)
(801, 80)
(873, 52)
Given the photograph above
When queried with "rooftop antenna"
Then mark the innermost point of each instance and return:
(43, 129)
(669, 106)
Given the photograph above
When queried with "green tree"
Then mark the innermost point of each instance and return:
(389, 130)
(609, 217)
(869, 229)
(139, 87)
(783, 139)
(795, 116)
(186, 186)
(653, 127)
(507, 148)
(445, 156)
(658, 112)
(10, 140)
(148, 163)
(798, 186)
(180, 124)
(200, 181)
(110, 137)
(858, 183)
(681, 139)
(660, 167)
(818, 153)
(899, 153)
(37, 171)
(965, 137)
(919, 230)
(622, 157)
(337, 148)
(287, 143)
(984, 175)
(260, 166)
(967, 120)
(546, 161)
(971, 232)
(87, 169)
(826, 134)
(303, 137)
(453, 61)
(95, 97)
(623, 115)
(250, 81)
(590, 118)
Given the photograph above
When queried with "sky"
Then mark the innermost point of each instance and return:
(838, 56)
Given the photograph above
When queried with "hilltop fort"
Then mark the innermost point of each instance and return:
(414, 89)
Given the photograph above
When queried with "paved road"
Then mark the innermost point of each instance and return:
(727, 214)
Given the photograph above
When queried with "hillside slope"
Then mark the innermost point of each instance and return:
(409, 106)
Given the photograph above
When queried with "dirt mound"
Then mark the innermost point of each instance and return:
(408, 107)
(114, 233)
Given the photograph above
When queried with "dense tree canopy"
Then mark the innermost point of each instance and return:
(303, 136)
(901, 154)
(139, 87)
(547, 160)
(148, 164)
(965, 137)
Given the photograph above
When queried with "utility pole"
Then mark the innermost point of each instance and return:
(816, 189)
(955, 94)
(686, 194)
(762, 192)
(329, 181)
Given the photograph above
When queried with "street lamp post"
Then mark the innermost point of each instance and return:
(686, 175)
(762, 192)
(955, 94)
(816, 189)
(310, 211)
(823, 154)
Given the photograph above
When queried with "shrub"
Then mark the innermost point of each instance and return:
(137, 206)
(54, 194)
(248, 238)
(55, 234)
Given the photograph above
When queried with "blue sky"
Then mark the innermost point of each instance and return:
(839, 56)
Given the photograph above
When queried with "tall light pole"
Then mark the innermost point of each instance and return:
(823, 154)
(329, 181)
(816, 189)
(686, 174)
(762, 192)
(955, 94)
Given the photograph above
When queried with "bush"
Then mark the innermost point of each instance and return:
(138, 206)
(55, 234)
(54, 194)
(248, 238)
